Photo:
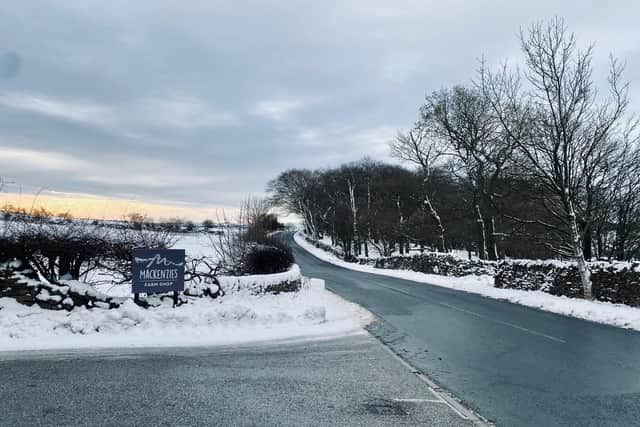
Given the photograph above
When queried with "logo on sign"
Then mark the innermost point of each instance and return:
(157, 270)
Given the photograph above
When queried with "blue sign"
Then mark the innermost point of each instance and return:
(157, 270)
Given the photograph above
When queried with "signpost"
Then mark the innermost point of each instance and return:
(158, 271)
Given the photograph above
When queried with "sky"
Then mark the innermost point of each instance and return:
(196, 104)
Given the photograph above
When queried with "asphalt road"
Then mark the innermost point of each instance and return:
(514, 365)
(352, 381)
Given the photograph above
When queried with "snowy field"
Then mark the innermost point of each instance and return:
(602, 312)
(237, 317)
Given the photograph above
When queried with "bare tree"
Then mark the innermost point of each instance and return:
(354, 216)
(230, 244)
(625, 200)
(481, 152)
(560, 126)
(422, 149)
(297, 191)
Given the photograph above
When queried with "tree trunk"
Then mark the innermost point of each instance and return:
(587, 243)
(493, 253)
(354, 213)
(599, 243)
(583, 268)
(620, 242)
(309, 224)
(436, 217)
(482, 244)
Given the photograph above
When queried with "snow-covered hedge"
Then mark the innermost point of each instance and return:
(433, 263)
(289, 281)
(612, 282)
(23, 286)
(430, 262)
(324, 246)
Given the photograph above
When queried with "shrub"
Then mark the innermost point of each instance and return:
(269, 257)
(249, 247)
(71, 250)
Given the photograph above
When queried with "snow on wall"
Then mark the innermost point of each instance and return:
(617, 282)
(614, 265)
(445, 264)
(55, 296)
(261, 282)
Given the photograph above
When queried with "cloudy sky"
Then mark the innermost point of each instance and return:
(198, 103)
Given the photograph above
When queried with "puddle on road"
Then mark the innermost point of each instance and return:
(384, 407)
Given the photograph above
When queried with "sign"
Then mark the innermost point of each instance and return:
(157, 270)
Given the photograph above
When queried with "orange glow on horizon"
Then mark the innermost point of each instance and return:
(97, 207)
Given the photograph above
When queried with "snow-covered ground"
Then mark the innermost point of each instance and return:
(235, 318)
(597, 311)
(238, 317)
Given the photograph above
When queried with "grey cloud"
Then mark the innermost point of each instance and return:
(202, 102)
(9, 65)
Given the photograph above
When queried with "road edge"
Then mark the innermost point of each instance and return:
(446, 396)
(449, 398)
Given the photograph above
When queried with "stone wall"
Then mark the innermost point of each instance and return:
(612, 282)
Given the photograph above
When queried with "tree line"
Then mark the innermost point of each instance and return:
(535, 161)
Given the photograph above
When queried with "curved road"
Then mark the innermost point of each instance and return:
(515, 365)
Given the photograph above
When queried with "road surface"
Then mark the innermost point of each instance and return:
(351, 381)
(514, 365)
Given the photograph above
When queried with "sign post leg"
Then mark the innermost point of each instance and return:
(175, 299)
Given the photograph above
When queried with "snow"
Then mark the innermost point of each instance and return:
(238, 317)
(597, 311)
(239, 283)
(633, 266)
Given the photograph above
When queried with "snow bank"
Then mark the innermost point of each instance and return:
(260, 282)
(249, 311)
(238, 317)
(446, 264)
(597, 311)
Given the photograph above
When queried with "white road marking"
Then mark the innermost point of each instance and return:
(394, 289)
(513, 325)
(462, 411)
(482, 316)
(420, 400)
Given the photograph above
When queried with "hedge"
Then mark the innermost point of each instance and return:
(433, 263)
(430, 262)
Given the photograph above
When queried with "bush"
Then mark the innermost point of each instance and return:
(71, 250)
(268, 257)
